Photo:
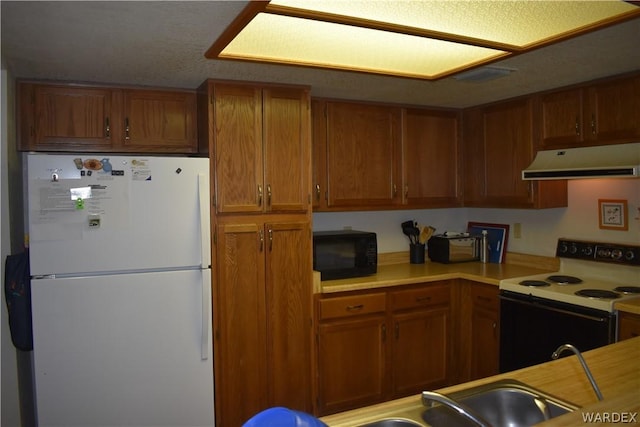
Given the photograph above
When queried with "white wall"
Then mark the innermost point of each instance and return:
(10, 408)
(540, 228)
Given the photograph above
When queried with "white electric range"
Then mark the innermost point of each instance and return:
(592, 274)
(575, 305)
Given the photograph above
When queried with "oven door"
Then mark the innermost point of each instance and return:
(532, 328)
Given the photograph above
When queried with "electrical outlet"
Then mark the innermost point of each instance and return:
(517, 230)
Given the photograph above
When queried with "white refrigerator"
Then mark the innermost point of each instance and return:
(121, 290)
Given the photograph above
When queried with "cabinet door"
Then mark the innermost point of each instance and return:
(363, 155)
(239, 324)
(159, 121)
(509, 150)
(319, 154)
(430, 159)
(628, 325)
(420, 359)
(497, 146)
(485, 334)
(237, 149)
(289, 319)
(287, 159)
(71, 118)
(351, 363)
(615, 111)
(562, 118)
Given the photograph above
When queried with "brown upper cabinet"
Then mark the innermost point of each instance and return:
(498, 145)
(362, 156)
(370, 156)
(260, 148)
(430, 159)
(66, 117)
(607, 112)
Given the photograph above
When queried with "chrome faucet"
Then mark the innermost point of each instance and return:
(564, 347)
(431, 397)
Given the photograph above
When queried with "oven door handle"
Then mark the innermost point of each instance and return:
(556, 309)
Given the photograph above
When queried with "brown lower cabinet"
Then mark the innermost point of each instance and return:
(262, 317)
(374, 346)
(387, 343)
(628, 325)
(484, 328)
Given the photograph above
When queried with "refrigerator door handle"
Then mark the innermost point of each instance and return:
(206, 307)
(205, 230)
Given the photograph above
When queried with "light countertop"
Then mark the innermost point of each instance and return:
(615, 368)
(406, 274)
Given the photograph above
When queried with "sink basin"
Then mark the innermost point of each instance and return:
(501, 403)
(393, 422)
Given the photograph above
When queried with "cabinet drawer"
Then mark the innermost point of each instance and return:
(423, 297)
(485, 296)
(352, 305)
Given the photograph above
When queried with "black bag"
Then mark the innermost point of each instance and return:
(17, 292)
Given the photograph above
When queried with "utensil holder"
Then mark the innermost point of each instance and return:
(416, 253)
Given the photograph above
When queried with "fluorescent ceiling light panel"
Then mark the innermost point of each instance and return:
(322, 44)
(410, 38)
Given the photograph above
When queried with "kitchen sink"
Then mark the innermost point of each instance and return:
(501, 403)
(393, 422)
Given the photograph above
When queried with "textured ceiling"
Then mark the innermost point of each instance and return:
(163, 44)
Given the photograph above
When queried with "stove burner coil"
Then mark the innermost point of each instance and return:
(564, 280)
(628, 289)
(597, 293)
(534, 283)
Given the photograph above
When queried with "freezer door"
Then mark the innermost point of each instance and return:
(124, 350)
(117, 213)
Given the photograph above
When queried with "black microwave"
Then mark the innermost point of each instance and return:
(344, 253)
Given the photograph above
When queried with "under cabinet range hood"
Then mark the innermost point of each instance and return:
(604, 161)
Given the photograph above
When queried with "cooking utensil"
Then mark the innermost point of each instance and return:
(411, 231)
(425, 234)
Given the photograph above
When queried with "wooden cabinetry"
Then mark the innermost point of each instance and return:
(430, 158)
(65, 117)
(421, 338)
(601, 113)
(262, 318)
(381, 345)
(477, 324)
(260, 146)
(485, 330)
(369, 156)
(352, 354)
(362, 155)
(628, 325)
(499, 144)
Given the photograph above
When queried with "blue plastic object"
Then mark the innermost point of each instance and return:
(283, 417)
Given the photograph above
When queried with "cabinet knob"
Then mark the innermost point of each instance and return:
(577, 127)
(268, 194)
(270, 240)
(259, 195)
(593, 124)
(318, 192)
(107, 128)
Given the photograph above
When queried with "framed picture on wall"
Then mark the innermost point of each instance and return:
(497, 234)
(612, 214)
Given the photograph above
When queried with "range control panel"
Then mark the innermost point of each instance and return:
(624, 254)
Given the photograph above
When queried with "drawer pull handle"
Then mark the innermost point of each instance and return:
(355, 307)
